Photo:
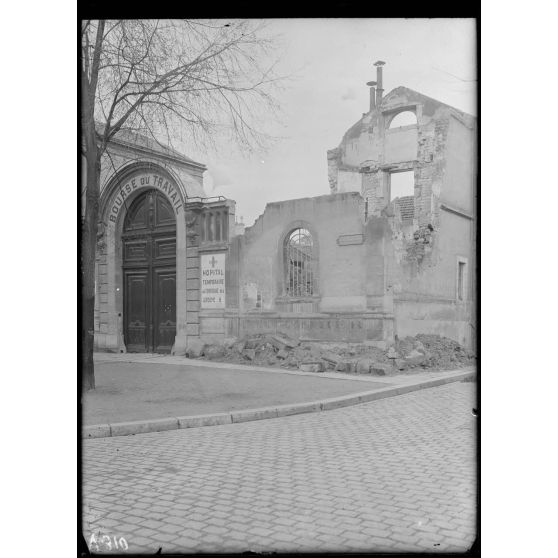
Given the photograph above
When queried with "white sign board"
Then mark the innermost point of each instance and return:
(213, 281)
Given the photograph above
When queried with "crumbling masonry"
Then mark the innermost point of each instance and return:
(375, 258)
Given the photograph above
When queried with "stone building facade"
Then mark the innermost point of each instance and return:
(364, 263)
(149, 246)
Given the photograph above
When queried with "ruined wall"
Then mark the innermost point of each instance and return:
(349, 180)
(375, 150)
(417, 256)
(333, 161)
(338, 309)
(400, 144)
(458, 181)
(422, 273)
(338, 272)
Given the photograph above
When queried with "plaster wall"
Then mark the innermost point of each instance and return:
(424, 282)
(339, 271)
(349, 181)
(361, 147)
(457, 188)
(339, 308)
(400, 144)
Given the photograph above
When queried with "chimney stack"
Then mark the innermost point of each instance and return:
(371, 84)
(379, 88)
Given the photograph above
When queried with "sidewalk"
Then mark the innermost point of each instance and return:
(146, 392)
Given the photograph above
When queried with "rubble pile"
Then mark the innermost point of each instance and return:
(444, 353)
(409, 353)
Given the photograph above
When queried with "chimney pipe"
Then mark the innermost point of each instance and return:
(372, 95)
(379, 89)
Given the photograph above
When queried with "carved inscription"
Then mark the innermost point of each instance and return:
(142, 180)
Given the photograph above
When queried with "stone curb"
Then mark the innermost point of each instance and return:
(175, 423)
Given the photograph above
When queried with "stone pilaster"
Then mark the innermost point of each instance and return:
(192, 216)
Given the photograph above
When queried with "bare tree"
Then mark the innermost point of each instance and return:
(194, 79)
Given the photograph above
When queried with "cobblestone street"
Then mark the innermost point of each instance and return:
(395, 474)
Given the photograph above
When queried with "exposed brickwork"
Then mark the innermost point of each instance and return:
(416, 272)
(372, 191)
(406, 207)
(332, 166)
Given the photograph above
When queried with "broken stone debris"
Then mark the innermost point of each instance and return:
(195, 348)
(381, 369)
(406, 355)
(415, 357)
(214, 352)
(311, 367)
(363, 366)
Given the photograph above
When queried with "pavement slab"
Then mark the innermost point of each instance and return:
(390, 474)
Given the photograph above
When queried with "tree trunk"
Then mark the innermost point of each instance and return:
(88, 256)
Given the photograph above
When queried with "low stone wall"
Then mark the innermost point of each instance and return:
(348, 327)
(443, 318)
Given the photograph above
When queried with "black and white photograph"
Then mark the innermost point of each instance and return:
(279, 262)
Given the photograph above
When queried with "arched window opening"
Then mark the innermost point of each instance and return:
(300, 263)
(405, 118)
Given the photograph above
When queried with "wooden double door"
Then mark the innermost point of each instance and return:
(149, 274)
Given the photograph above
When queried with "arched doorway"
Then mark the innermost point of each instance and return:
(149, 274)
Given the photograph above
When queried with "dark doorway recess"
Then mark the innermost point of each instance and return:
(149, 272)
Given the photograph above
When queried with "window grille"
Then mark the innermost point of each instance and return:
(300, 263)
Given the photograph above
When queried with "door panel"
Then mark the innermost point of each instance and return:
(164, 248)
(135, 251)
(149, 266)
(137, 314)
(164, 305)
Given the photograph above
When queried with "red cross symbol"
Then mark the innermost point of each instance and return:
(213, 261)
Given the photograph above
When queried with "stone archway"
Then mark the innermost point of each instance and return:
(117, 197)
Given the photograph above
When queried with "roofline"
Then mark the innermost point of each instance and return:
(429, 98)
(153, 152)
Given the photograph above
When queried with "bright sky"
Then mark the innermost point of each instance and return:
(333, 59)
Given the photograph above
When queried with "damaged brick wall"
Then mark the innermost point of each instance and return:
(366, 148)
(420, 253)
(333, 161)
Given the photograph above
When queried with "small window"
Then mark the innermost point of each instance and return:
(460, 280)
(300, 264)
